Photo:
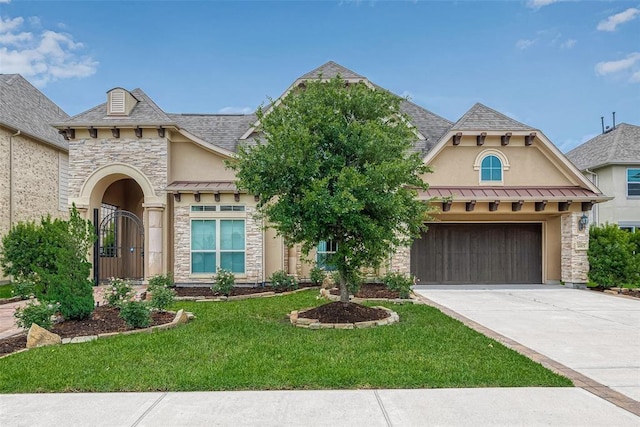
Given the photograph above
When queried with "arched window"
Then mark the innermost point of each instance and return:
(491, 169)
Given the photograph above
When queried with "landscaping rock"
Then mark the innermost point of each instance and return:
(39, 337)
(181, 317)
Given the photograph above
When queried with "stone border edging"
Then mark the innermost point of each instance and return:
(10, 300)
(307, 323)
(180, 317)
(411, 300)
(267, 294)
(578, 379)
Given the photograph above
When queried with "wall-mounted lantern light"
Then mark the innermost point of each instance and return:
(582, 223)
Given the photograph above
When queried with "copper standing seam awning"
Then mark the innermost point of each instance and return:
(198, 187)
(512, 194)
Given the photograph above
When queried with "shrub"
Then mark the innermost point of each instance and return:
(162, 280)
(24, 288)
(354, 281)
(55, 252)
(280, 280)
(611, 256)
(161, 297)
(35, 312)
(118, 292)
(317, 275)
(136, 314)
(398, 282)
(224, 280)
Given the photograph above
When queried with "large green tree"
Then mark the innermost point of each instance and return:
(333, 163)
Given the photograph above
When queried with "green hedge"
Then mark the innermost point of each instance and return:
(614, 256)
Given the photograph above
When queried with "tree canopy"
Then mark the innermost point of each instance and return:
(333, 163)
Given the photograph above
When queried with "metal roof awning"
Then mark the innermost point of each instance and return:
(202, 187)
(513, 193)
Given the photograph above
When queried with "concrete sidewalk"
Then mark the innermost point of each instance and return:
(368, 408)
(594, 334)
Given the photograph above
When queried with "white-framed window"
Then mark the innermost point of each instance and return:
(323, 252)
(217, 243)
(633, 182)
(491, 165)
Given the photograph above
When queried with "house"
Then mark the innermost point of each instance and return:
(156, 186)
(612, 162)
(33, 156)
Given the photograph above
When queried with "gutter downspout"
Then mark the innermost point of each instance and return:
(11, 177)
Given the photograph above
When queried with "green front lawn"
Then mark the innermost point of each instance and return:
(6, 291)
(251, 345)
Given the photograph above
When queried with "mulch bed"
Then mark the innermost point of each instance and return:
(371, 290)
(202, 291)
(338, 312)
(104, 319)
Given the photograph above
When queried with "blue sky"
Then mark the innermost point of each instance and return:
(555, 65)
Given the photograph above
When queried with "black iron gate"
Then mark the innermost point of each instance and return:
(119, 249)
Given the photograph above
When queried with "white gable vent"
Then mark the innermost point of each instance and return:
(117, 102)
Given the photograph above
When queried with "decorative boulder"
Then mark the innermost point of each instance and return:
(39, 337)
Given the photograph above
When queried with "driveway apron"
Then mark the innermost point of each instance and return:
(595, 334)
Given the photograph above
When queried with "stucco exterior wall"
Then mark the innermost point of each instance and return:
(612, 181)
(527, 165)
(189, 162)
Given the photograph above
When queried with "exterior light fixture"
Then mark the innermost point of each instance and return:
(582, 223)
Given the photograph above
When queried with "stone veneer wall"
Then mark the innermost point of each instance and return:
(147, 154)
(254, 247)
(575, 243)
(401, 260)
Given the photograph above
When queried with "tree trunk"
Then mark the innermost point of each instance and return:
(344, 292)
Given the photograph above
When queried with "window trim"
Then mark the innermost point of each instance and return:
(329, 243)
(218, 250)
(631, 196)
(477, 165)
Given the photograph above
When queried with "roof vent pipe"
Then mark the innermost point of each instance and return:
(614, 120)
(602, 121)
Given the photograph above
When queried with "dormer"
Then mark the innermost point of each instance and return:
(120, 102)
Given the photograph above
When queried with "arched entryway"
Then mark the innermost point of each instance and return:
(129, 217)
(120, 244)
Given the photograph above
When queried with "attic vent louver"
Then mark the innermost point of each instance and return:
(117, 102)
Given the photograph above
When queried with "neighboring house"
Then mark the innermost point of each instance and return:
(612, 162)
(508, 201)
(33, 156)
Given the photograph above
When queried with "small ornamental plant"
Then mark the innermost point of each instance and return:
(224, 280)
(35, 312)
(161, 297)
(398, 282)
(317, 276)
(24, 288)
(161, 280)
(136, 314)
(281, 281)
(118, 292)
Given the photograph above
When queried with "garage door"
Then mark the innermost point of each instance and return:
(478, 253)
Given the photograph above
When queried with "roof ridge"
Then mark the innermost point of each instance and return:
(150, 102)
(479, 107)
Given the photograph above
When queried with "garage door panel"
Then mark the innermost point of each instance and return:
(479, 253)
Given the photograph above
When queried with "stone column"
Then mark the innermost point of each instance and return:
(575, 243)
(155, 249)
(401, 260)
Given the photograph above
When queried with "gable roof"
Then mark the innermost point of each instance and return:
(145, 112)
(221, 130)
(330, 70)
(481, 117)
(618, 146)
(25, 108)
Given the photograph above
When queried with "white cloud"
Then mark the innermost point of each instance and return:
(537, 4)
(236, 110)
(603, 68)
(522, 44)
(613, 21)
(5, 1)
(568, 44)
(42, 57)
(635, 77)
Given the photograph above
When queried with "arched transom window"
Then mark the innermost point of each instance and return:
(491, 165)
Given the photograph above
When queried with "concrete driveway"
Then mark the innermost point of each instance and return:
(595, 334)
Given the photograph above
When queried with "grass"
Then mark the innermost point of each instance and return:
(6, 291)
(251, 345)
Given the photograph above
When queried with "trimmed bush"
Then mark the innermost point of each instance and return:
(398, 282)
(317, 275)
(162, 280)
(224, 280)
(280, 280)
(613, 256)
(136, 314)
(35, 312)
(161, 297)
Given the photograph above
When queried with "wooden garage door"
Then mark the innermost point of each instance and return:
(478, 253)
